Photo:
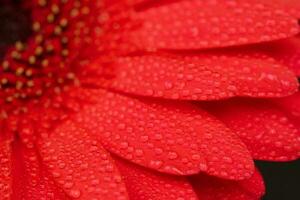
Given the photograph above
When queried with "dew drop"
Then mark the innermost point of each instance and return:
(172, 155)
(75, 193)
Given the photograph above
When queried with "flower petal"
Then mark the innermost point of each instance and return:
(267, 131)
(198, 24)
(143, 184)
(80, 165)
(171, 137)
(31, 180)
(291, 106)
(211, 188)
(287, 52)
(292, 6)
(135, 2)
(202, 77)
(5, 169)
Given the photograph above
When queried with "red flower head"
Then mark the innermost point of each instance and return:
(147, 99)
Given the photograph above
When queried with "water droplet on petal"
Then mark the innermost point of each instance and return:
(75, 193)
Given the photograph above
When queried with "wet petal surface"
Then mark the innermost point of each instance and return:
(31, 180)
(144, 184)
(266, 130)
(171, 137)
(287, 52)
(210, 188)
(203, 77)
(207, 23)
(80, 165)
(5, 169)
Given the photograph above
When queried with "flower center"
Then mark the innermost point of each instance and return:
(42, 64)
(15, 25)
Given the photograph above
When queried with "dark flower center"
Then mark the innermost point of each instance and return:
(42, 63)
(15, 25)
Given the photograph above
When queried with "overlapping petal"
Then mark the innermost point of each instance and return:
(5, 169)
(143, 184)
(202, 77)
(207, 23)
(31, 181)
(292, 6)
(266, 130)
(171, 137)
(291, 106)
(286, 51)
(211, 188)
(80, 165)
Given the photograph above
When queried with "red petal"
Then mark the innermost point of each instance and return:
(80, 165)
(171, 137)
(5, 169)
(31, 180)
(143, 184)
(198, 24)
(263, 127)
(292, 6)
(135, 2)
(202, 77)
(287, 52)
(291, 105)
(211, 188)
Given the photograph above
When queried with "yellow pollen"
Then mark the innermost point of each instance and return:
(63, 22)
(74, 12)
(20, 46)
(85, 10)
(55, 9)
(4, 81)
(45, 63)
(19, 85)
(39, 51)
(49, 48)
(57, 30)
(32, 60)
(9, 99)
(19, 71)
(28, 72)
(41, 64)
(30, 83)
(15, 55)
(65, 52)
(39, 39)
(42, 3)
(36, 26)
(50, 18)
(5, 65)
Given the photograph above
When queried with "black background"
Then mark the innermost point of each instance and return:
(282, 180)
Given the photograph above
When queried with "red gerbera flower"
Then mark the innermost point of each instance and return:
(112, 99)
